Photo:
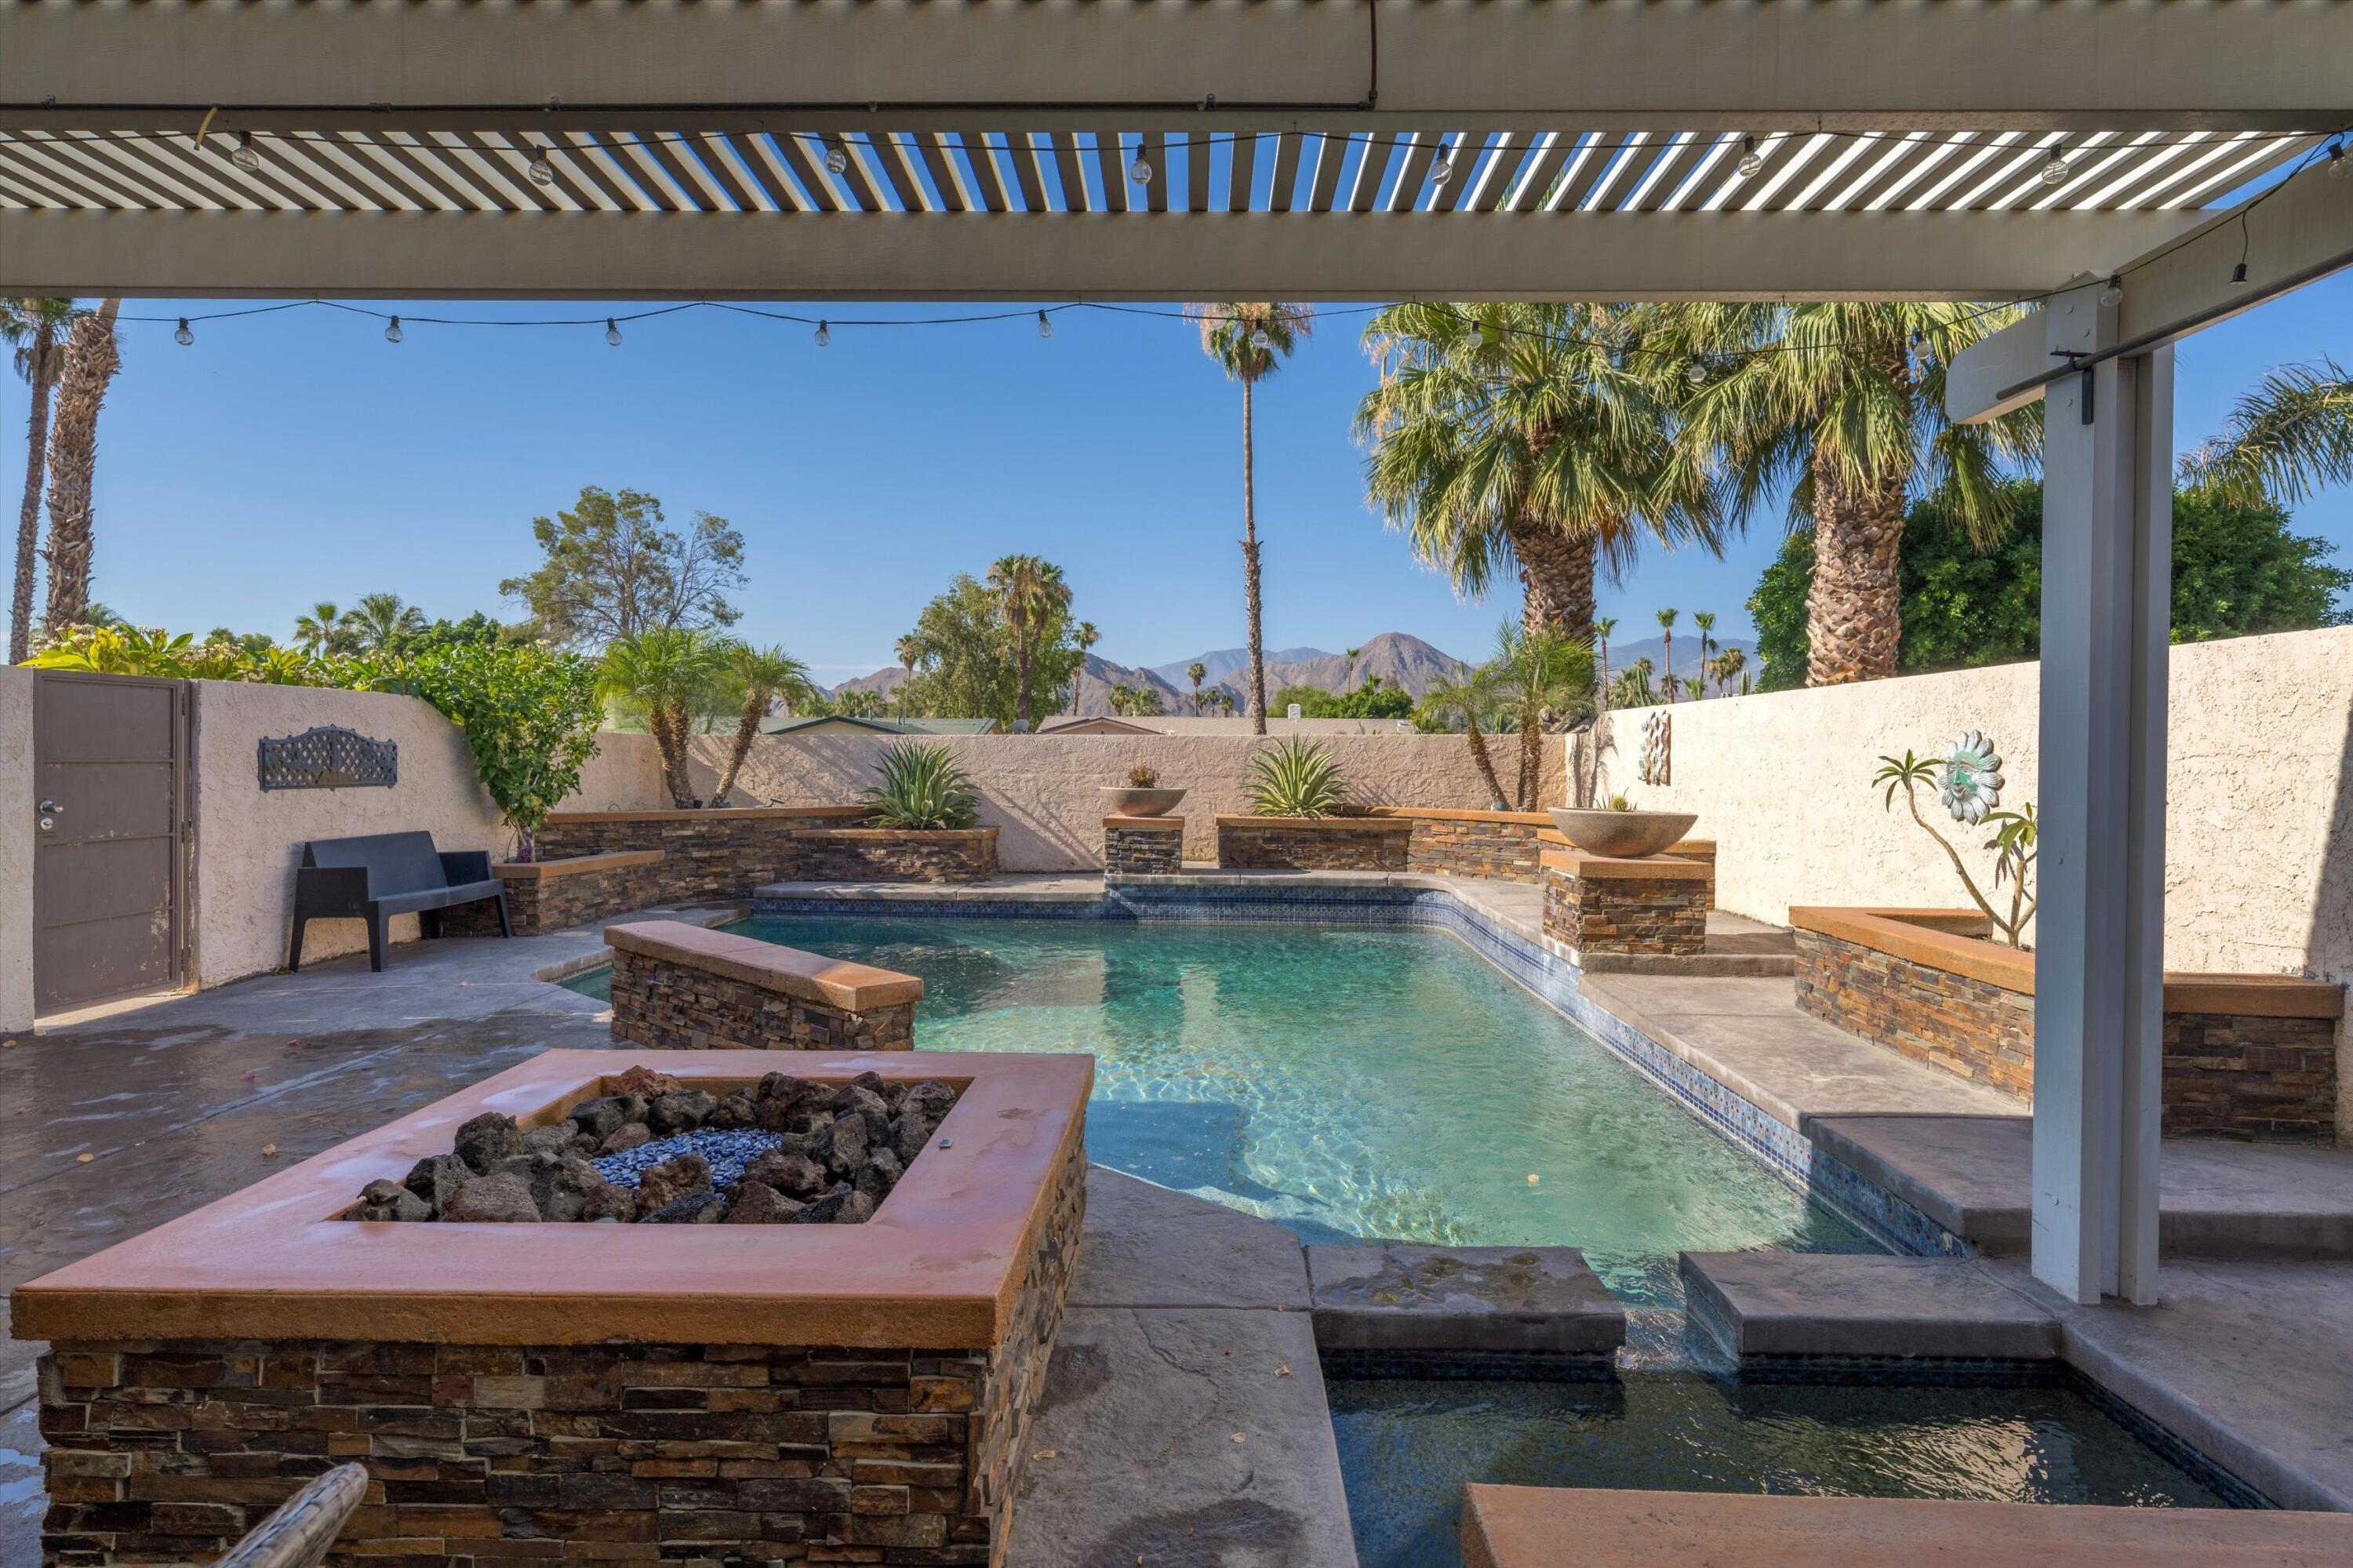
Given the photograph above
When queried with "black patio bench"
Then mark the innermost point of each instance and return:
(379, 876)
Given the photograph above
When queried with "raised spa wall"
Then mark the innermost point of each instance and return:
(681, 987)
(726, 853)
(830, 1394)
(2246, 1057)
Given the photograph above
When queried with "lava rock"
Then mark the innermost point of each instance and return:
(842, 1147)
(503, 1199)
(606, 1115)
(809, 1121)
(909, 1133)
(642, 1082)
(391, 1201)
(625, 1137)
(842, 1206)
(793, 1173)
(488, 1141)
(856, 1097)
(733, 1112)
(609, 1201)
(555, 1140)
(566, 1197)
(783, 1089)
(434, 1178)
(662, 1185)
(757, 1203)
(680, 1110)
(878, 1176)
(694, 1209)
(933, 1097)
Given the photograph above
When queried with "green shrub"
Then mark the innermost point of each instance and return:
(530, 718)
(923, 787)
(1294, 779)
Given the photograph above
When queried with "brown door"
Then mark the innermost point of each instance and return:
(109, 763)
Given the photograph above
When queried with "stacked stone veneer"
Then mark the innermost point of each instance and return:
(553, 894)
(680, 987)
(1312, 843)
(1503, 846)
(718, 854)
(2230, 1071)
(162, 1451)
(893, 854)
(1659, 905)
(1144, 846)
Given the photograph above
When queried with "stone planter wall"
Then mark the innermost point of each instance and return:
(2246, 1057)
(706, 855)
(1595, 905)
(1311, 843)
(677, 987)
(1144, 846)
(894, 855)
(1504, 846)
(545, 896)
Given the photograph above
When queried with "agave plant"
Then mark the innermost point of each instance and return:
(1295, 779)
(923, 787)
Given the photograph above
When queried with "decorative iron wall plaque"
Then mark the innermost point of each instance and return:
(328, 758)
(1658, 748)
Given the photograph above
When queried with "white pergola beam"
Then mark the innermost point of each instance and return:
(1676, 65)
(1097, 256)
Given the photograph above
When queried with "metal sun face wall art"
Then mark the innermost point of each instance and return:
(1973, 785)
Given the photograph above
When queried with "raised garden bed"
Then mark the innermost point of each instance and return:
(545, 896)
(847, 1392)
(1596, 903)
(2246, 1057)
(1311, 843)
(894, 855)
(707, 856)
(1505, 846)
(678, 987)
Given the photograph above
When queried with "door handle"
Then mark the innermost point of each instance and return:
(50, 813)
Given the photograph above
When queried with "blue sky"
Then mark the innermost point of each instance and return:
(290, 457)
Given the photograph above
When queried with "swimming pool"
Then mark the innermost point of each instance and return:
(1344, 1082)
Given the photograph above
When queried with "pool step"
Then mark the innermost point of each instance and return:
(1824, 1315)
(1397, 1309)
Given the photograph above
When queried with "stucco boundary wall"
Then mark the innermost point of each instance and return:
(2259, 798)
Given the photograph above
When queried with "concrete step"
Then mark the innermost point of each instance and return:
(1397, 1309)
(1798, 1311)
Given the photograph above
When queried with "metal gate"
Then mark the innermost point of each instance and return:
(109, 772)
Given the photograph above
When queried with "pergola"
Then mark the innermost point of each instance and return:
(1319, 149)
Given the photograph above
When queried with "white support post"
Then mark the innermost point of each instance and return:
(2099, 959)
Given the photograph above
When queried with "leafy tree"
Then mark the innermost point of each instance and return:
(2289, 437)
(1033, 599)
(1249, 342)
(612, 571)
(1134, 702)
(322, 631)
(1473, 699)
(530, 718)
(1631, 688)
(1375, 699)
(756, 677)
(672, 678)
(965, 658)
(31, 329)
(1542, 675)
(380, 623)
(1526, 437)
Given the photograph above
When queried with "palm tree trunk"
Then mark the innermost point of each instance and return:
(669, 725)
(90, 363)
(1667, 657)
(1249, 574)
(1022, 657)
(747, 728)
(1556, 571)
(1531, 755)
(1486, 763)
(1854, 613)
(28, 520)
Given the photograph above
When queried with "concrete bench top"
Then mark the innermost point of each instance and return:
(574, 864)
(719, 814)
(1166, 824)
(809, 977)
(1667, 867)
(1360, 824)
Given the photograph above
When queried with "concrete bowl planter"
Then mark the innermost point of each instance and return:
(1121, 800)
(1622, 835)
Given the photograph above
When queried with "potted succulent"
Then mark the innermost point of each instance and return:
(1619, 832)
(1142, 795)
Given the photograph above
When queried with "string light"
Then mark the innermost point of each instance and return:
(836, 160)
(184, 337)
(1140, 171)
(2340, 167)
(542, 172)
(393, 332)
(1442, 170)
(2238, 276)
(612, 332)
(1045, 327)
(1752, 161)
(2114, 294)
(824, 333)
(1919, 345)
(245, 157)
(1696, 371)
(2054, 168)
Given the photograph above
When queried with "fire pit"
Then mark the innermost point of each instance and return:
(846, 1390)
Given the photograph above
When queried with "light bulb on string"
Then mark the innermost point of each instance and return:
(1140, 171)
(612, 331)
(2238, 276)
(245, 157)
(184, 337)
(1752, 161)
(1045, 327)
(823, 335)
(1696, 371)
(2054, 168)
(1442, 170)
(393, 332)
(2340, 167)
(542, 172)
(1919, 345)
(2114, 294)
(836, 160)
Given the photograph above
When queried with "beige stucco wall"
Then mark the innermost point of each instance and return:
(16, 832)
(2259, 797)
(1040, 792)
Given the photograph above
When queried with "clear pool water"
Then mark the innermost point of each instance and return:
(1344, 1083)
(1407, 1448)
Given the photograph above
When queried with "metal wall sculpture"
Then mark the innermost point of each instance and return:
(328, 758)
(1658, 748)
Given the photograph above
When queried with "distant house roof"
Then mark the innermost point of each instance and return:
(1100, 724)
(837, 724)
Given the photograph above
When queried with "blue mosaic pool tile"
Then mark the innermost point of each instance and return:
(1485, 1366)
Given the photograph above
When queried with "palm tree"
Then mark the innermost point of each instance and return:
(1526, 437)
(1348, 676)
(1541, 674)
(756, 677)
(1847, 400)
(1728, 665)
(1667, 650)
(2289, 437)
(1705, 621)
(1248, 340)
(1473, 697)
(380, 622)
(1033, 595)
(1603, 626)
(31, 327)
(1196, 673)
(672, 677)
(92, 359)
(322, 631)
(1632, 688)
